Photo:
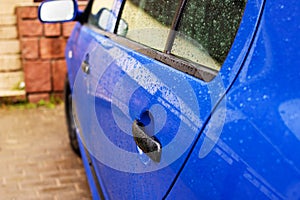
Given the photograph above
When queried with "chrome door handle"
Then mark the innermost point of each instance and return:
(85, 66)
(149, 145)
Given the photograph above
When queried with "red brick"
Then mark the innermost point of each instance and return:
(29, 48)
(30, 27)
(37, 76)
(52, 29)
(59, 70)
(68, 28)
(27, 12)
(52, 48)
(58, 96)
(81, 7)
(35, 98)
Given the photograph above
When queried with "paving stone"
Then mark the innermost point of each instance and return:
(40, 165)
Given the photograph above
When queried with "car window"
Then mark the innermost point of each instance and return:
(97, 8)
(207, 30)
(193, 36)
(149, 22)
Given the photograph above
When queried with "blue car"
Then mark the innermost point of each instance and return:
(186, 99)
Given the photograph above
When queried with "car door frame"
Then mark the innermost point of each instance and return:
(238, 52)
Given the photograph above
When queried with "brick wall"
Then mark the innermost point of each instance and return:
(11, 72)
(42, 53)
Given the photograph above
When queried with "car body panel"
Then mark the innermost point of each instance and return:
(96, 194)
(257, 154)
(120, 85)
(99, 102)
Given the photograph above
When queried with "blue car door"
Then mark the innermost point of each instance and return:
(146, 76)
(257, 153)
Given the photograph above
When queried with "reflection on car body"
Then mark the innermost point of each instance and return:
(186, 99)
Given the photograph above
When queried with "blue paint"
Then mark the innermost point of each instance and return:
(89, 175)
(247, 149)
(257, 155)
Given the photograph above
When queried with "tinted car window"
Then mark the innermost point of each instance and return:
(205, 37)
(149, 22)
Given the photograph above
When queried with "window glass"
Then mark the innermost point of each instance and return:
(149, 21)
(207, 30)
(98, 8)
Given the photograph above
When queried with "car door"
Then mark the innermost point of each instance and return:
(257, 153)
(146, 76)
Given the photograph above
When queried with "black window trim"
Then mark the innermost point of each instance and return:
(119, 16)
(87, 11)
(187, 66)
(175, 26)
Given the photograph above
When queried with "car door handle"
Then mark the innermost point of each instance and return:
(85, 66)
(148, 144)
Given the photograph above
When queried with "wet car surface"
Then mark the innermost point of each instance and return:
(192, 100)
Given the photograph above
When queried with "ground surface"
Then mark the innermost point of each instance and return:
(36, 161)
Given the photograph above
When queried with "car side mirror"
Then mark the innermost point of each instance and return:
(107, 21)
(58, 11)
(122, 28)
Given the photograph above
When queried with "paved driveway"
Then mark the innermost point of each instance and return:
(36, 161)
